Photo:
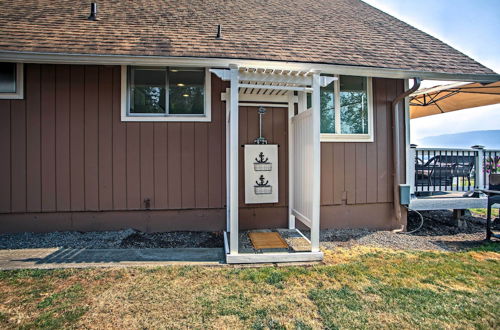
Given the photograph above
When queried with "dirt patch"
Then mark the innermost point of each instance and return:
(176, 239)
(440, 229)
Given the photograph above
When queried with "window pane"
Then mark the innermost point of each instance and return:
(186, 91)
(327, 98)
(8, 77)
(147, 90)
(353, 105)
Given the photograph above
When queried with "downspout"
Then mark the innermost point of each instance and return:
(396, 144)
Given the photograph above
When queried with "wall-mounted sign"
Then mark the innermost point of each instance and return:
(261, 173)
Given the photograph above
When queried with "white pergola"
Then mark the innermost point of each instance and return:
(271, 87)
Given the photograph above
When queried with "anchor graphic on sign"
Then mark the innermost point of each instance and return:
(262, 186)
(262, 164)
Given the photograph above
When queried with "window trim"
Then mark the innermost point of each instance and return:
(19, 94)
(154, 117)
(338, 137)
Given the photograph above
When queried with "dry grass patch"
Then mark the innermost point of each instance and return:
(355, 288)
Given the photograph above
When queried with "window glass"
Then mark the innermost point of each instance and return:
(147, 90)
(327, 97)
(8, 77)
(186, 91)
(353, 105)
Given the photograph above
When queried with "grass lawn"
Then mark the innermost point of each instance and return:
(355, 288)
(482, 212)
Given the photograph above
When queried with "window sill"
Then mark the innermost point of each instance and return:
(11, 96)
(346, 137)
(167, 118)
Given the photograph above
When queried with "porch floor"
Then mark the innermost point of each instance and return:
(444, 194)
(295, 240)
(298, 250)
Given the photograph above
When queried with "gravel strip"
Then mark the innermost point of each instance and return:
(122, 239)
(437, 233)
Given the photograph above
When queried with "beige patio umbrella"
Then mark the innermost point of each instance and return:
(452, 97)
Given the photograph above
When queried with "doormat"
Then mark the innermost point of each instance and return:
(299, 244)
(267, 240)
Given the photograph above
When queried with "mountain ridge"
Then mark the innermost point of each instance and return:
(488, 138)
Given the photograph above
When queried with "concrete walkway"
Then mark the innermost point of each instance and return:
(83, 258)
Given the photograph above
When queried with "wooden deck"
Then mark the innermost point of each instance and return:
(446, 201)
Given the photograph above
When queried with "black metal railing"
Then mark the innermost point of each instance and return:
(441, 170)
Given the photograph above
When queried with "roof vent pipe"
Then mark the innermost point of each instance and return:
(93, 12)
(219, 32)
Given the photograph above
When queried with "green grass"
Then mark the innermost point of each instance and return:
(356, 288)
(482, 212)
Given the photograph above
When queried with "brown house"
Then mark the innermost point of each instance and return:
(136, 116)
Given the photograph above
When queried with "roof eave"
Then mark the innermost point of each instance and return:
(66, 58)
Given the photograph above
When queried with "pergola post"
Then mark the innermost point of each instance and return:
(233, 160)
(316, 159)
(291, 113)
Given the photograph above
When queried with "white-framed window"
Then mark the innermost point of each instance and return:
(11, 81)
(160, 93)
(347, 110)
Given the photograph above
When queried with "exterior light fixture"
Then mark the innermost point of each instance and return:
(185, 95)
(181, 85)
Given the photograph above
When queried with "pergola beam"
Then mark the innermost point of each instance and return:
(276, 78)
(299, 79)
(283, 88)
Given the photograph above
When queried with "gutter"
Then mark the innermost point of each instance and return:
(67, 58)
(396, 145)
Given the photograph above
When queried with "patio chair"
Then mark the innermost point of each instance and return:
(434, 172)
(493, 193)
(440, 170)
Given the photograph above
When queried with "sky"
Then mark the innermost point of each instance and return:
(472, 27)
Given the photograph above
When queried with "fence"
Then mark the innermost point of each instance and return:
(302, 169)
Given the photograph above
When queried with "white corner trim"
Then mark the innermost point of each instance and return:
(207, 117)
(19, 94)
(124, 92)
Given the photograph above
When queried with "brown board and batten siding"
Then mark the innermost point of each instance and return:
(356, 178)
(66, 152)
(70, 163)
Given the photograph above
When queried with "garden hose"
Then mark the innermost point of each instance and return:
(421, 222)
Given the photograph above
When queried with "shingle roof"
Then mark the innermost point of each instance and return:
(345, 32)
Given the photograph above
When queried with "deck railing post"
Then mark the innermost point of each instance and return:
(479, 166)
(411, 167)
